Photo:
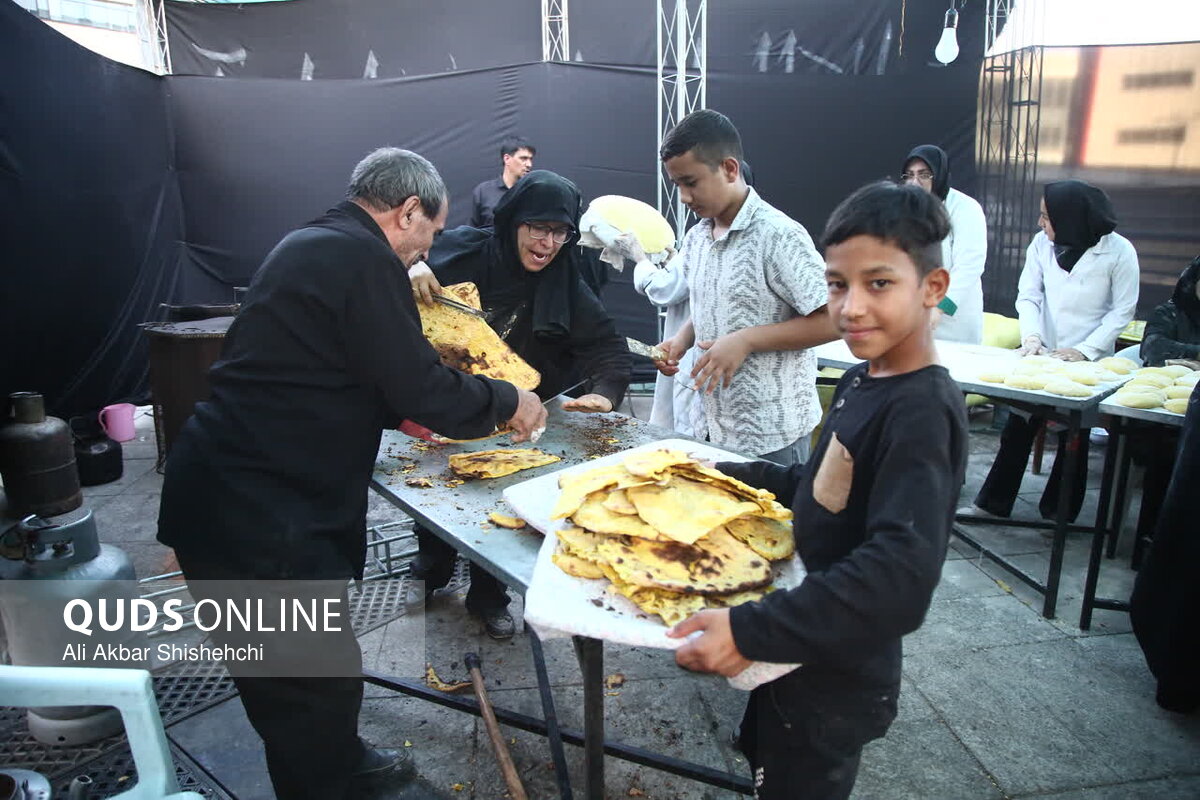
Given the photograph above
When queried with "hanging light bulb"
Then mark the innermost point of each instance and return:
(947, 47)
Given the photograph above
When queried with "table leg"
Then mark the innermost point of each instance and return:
(591, 665)
(1112, 457)
(1120, 498)
(1066, 486)
(553, 735)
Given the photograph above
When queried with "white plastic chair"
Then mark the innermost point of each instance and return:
(130, 691)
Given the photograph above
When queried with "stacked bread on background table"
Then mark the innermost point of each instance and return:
(1167, 388)
(1063, 378)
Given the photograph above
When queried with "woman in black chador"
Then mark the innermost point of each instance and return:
(530, 279)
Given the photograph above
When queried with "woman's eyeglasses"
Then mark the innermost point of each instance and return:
(561, 235)
(921, 175)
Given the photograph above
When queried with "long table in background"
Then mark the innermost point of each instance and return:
(966, 362)
(414, 476)
(1110, 512)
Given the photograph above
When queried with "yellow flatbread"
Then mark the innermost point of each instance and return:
(720, 566)
(617, 501)
(505, 521)
(652, 463)
(498, 463)
(468, 343)
(574, 565)
(685, 510)
(766, 500)
(770, 538)
(575, 487)
(594, 516)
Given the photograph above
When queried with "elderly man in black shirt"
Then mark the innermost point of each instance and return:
(269, 478)
(517, 156)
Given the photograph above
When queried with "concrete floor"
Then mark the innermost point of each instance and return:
(997, 703)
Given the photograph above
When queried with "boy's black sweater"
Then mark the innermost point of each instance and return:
(872, 567)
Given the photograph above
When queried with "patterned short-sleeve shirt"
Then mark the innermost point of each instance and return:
(765, 269)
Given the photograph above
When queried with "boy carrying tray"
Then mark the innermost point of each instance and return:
(873, 512)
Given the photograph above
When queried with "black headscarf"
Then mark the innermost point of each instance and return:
(490, 257)
(1080, 214)
(939, 165)
(1184, 296)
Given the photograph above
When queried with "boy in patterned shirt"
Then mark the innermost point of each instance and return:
(758, 298)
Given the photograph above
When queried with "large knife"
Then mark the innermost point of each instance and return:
(463, 307)
(643, 349)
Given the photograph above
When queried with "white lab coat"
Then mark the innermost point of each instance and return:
(675, 406)
(964, 252)
(1085, 308)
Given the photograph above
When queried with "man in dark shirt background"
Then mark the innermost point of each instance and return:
(268, 479)
(517, 155)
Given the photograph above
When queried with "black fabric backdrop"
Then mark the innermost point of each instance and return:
(270, 40)
(91, 217)
(122, 189)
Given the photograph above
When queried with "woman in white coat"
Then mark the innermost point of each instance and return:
(1078, 290)
(964, 251)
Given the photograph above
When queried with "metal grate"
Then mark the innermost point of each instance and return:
(188, 687)
(19, 749)
(114, 772)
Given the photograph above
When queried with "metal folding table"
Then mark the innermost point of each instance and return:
(457, 513)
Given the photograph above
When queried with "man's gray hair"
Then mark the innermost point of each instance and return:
(390, 175)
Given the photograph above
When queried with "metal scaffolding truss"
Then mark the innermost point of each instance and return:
(682, 85)
(556, 31)
(152, 34)
(1007, 148)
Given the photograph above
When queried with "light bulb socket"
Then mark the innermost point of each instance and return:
(951, 18)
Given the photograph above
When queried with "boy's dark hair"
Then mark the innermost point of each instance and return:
(907, 217)
(708, 134)
(511, 144)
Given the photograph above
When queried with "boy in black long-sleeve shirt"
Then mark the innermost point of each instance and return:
(873, 511)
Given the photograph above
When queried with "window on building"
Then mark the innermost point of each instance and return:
(1051, 137)
(1172, 135)
(1159, 80)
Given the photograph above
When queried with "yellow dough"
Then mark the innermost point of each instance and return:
(1174, 370)
(1027, 367)
(1067, 388)
(992, 377)
(1018, 381)
(1151, 379)
(1138, 399)
(1121, 366)
(1179, 392)
(1081, 376)
(626, 214)
(1191, 379)
(1176, 406)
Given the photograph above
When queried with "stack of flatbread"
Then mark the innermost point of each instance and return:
(670, 534)
(1167, 388)
(1063, 378)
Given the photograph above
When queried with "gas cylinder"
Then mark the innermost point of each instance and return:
(37, 460)
(45, 564)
